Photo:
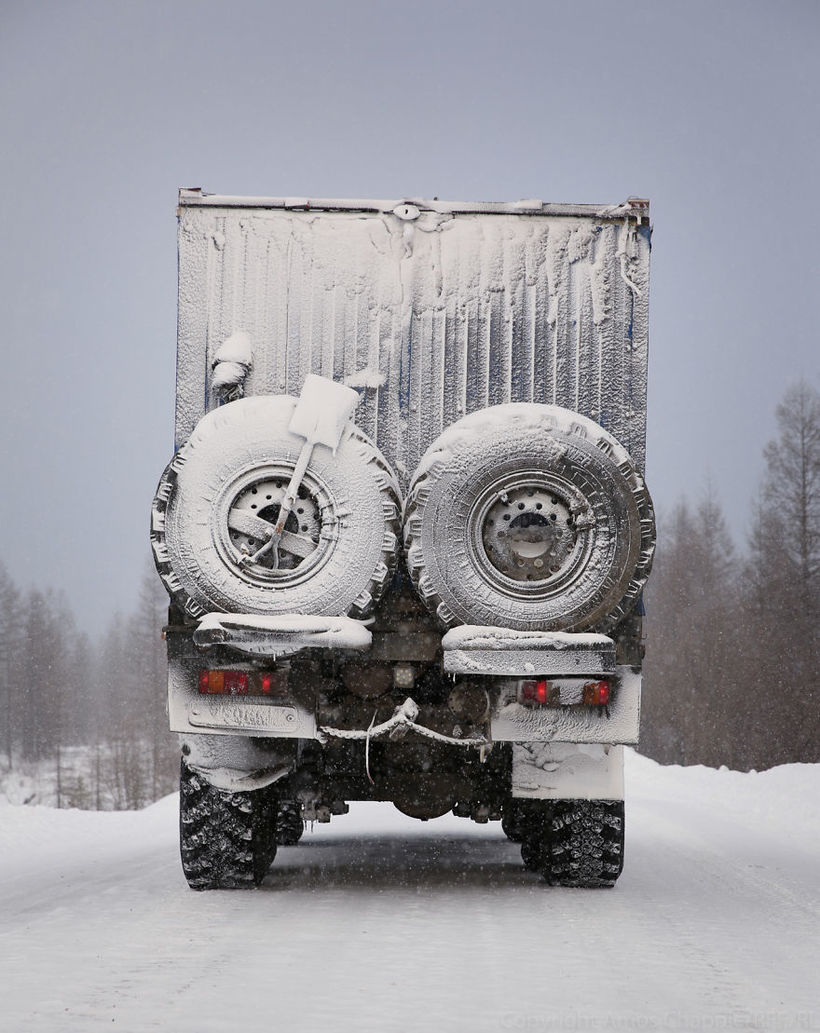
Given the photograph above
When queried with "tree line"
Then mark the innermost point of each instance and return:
(733, 665)
(91, 713)
(731, 674)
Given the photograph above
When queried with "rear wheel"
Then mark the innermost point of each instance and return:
(534, 825)
(513, 821)
(576, 843)
(226, 839)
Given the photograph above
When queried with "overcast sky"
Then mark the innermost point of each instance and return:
(710, 109)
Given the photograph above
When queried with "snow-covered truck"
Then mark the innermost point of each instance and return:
(405, 531)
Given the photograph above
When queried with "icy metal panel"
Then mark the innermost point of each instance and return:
(618, 723)
(432, 316)
(567, 771)
(481, 650)
(190, 712)
(197, 197)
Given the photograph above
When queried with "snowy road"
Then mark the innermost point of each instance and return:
(378, 922)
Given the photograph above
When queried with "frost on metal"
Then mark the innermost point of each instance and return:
(188, 712)
(472, 636)
(617, 723)
(227, 760)
(473, 649)
(567, 771)
(233, 359)
(431, 310)
(523, 662)
(280, 635)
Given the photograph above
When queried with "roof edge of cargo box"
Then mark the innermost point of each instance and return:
(634, 207)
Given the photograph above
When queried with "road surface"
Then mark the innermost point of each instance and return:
(379, 922)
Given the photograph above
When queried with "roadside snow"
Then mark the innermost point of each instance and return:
(377, 922)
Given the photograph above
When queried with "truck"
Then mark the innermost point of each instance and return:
(405, 530)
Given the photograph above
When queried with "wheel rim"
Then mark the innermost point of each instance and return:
(530, 533)
(247, 511)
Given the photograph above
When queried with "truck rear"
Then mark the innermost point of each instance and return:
(405, 530)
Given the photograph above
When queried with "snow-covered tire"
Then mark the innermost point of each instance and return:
(529, 517)
(226, 840)
(580, 844)
(219, 498)
(289, 824)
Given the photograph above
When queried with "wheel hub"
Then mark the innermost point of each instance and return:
(252, 516)
(529, 533)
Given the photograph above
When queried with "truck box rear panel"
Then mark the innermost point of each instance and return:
(434, 310)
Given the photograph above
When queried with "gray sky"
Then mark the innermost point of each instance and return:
(106, 108)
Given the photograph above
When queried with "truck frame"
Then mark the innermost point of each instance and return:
(405, 530)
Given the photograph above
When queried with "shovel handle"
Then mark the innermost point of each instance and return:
(286, 507)
(293, 488)
(288, 501)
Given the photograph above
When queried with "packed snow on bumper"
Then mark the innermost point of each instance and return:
(380, 922)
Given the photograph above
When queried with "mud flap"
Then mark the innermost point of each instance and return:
(567, 771)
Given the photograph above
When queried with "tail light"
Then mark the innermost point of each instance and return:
(596, 693)
(536, 693)
(539, 692)
(243, 683)
(223, 683)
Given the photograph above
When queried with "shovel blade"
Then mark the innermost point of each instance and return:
(323, 409)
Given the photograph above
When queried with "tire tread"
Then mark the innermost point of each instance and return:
(226, 839)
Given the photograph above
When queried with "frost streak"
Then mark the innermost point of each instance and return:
(432, 318)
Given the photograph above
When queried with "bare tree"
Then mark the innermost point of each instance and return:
(147, 624)
(782, 604)
(733, 665)
(792, 488)
(693, 589)
(60, 690)
(38, 705)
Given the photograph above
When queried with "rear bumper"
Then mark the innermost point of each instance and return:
(484, 662)
(509, 721)
(190, 712)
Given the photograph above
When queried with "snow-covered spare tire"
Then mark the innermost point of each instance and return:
(218, 500)
(531, 517)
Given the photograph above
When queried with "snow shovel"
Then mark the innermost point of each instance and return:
(320, 416)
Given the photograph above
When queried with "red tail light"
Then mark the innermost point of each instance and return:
(244, 683)
(596, 693)
(540, 692)
(223, 683)
(534, 692)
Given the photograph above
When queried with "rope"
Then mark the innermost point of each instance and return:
(404, 717)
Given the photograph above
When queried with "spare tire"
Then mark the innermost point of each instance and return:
(219, 497)
(530, 517)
